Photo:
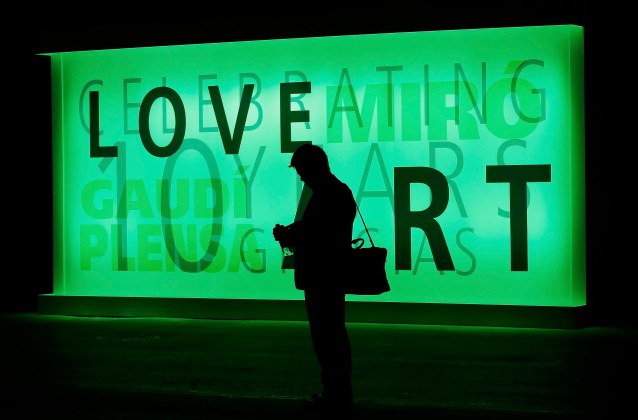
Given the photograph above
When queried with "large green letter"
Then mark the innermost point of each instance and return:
(405, 219)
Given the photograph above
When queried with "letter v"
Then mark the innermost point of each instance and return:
(231, 144)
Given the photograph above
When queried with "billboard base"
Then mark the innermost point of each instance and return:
(294, 310)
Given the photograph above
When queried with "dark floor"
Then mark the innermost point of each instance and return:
(167, 368)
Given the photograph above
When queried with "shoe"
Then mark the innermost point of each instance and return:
(319, 403)
(312, 401)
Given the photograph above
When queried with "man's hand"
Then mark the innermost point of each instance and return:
(279, 232)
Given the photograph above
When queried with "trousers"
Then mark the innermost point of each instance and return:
(326, 318)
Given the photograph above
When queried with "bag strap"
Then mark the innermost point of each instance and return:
(364, 225)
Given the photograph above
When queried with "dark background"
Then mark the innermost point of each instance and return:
(609, 86)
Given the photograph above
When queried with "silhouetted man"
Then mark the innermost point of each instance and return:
(320, 239)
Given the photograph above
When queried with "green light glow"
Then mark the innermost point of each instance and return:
(166, 201)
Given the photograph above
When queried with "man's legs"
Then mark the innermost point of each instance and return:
(326, 318)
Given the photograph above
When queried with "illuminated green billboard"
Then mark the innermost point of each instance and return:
(464, 150)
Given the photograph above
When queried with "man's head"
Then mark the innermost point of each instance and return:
(311, 163)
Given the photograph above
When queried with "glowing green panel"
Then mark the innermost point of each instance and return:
(177, 193)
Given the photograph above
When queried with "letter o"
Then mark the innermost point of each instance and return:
(180, 121)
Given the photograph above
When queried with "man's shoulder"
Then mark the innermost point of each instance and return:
(343, 187)
(339, 182)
